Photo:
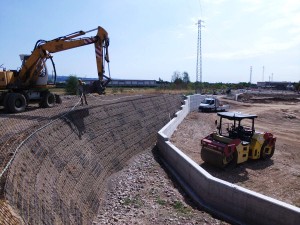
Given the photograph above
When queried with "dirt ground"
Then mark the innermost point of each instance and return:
(143, 193)
(278, 177)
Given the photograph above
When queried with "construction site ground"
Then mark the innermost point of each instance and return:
(140, 193)
(279, 114)
(143, 192)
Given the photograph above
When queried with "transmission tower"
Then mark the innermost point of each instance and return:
(199, 54)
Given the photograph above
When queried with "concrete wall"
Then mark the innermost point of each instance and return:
(229, 201)
(58, 175)
(195, 100)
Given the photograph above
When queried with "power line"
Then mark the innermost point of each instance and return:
(199, 54)
(201, 14)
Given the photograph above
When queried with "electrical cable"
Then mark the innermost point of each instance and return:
(28, 137)
(52, 121)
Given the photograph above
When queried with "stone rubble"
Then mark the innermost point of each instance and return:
(143, 193)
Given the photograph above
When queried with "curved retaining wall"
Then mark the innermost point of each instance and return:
(58, 175)
(226, 200)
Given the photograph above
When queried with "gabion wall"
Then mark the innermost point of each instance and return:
(58, 175)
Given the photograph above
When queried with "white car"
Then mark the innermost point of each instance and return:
(212, 104)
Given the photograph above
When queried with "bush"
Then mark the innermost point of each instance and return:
(71, 85)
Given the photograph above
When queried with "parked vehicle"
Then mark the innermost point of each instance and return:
(212, 104)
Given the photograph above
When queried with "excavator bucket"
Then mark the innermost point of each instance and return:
(99, 86)
(96, 87)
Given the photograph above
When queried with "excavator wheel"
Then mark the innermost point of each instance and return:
(213, 157)
(264, 152)
(5, 101)
(16, 102)
(58, 99)
(48, 100)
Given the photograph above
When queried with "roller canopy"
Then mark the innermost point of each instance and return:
(236, 115)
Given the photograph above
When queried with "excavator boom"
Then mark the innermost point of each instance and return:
(31, 68)
(30, 83)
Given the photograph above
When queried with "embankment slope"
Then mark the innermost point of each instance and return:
(59, 174)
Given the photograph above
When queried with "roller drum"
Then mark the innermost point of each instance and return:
(213, 157)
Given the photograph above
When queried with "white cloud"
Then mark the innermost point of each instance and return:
(267, 45)
(252, 5)
(214, 2)
(275, 27)
(232, 55)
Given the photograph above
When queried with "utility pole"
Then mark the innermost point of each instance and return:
(199, 54)
(250, 74)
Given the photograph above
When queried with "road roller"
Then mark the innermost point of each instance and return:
(236, 141)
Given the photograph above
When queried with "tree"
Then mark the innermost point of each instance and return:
(71, 85)
(176, 78)
(185, 77)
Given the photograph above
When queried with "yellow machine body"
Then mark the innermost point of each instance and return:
(255, 145)
(6, 77)
(241, 143)
(30, 83)
(242, 152)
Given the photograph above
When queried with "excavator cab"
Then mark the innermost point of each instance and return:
(41, 71)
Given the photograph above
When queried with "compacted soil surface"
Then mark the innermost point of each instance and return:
(143, 192)
(278, 177)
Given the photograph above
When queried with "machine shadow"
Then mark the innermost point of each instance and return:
(238, 172)
(259, 164)
(75, 120)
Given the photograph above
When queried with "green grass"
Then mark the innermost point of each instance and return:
(161, 201)
(136, 201)
(179, 207)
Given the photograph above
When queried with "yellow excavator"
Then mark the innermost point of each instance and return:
(30, 84)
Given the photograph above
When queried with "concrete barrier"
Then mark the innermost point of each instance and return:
(223, 199)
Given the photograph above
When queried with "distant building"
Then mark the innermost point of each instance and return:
(278, 85)
(132, 83)
(61, 82)
(126, 83)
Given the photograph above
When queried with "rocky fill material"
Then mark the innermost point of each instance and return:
(59, 174)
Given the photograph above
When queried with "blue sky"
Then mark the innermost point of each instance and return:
(152, 39)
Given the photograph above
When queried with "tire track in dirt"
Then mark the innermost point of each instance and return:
(279, 177)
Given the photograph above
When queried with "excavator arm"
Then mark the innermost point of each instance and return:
(33, 66)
